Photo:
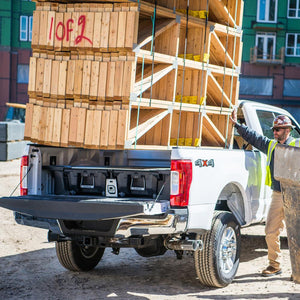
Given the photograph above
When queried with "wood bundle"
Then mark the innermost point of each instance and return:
(81, 79)
(108, 74)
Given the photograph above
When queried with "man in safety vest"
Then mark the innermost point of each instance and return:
(282, 126)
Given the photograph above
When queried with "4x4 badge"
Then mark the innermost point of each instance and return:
(205, 163)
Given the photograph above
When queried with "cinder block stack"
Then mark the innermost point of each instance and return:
(133, 74)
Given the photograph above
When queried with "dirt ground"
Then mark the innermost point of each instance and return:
(29, 268)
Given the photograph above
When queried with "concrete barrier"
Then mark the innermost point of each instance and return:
(12, 142)
(287, 171)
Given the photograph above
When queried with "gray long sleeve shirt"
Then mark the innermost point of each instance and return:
(261, 143)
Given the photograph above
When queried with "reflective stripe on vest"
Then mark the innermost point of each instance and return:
(272, 145)
(295, 143)
(271, 148)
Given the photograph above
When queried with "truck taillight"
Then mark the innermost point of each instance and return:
(23, 175)
(181, 179)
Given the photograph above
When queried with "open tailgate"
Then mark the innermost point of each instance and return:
(65, 207)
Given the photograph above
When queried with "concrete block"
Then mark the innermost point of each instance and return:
(12, 150)
(11, 131)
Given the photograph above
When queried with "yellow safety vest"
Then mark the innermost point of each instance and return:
(272, 145)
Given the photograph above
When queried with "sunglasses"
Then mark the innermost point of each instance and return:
(278, 129)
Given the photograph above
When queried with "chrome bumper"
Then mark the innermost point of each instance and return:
(174, 222)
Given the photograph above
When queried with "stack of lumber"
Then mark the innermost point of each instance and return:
(134, 74)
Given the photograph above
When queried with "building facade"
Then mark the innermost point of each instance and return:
(15, 51)
(271, 53)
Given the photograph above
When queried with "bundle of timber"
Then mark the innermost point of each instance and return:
(134, 74)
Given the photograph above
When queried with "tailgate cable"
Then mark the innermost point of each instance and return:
(29, 169)
(159, 193)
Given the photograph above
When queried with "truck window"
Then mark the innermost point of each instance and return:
(266, 121)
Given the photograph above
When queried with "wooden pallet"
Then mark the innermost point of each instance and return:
(99, 80)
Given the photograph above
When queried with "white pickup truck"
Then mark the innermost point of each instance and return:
(182, 199)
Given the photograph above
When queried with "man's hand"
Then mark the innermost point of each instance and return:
(233, 117)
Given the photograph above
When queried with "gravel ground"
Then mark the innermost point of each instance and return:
(29, 268)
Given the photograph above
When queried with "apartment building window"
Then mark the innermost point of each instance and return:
(294, 9)
(293, 44)
(267, 11)
(23, 74)
(266, 44)
(25, 28)
(291, 88)
(260, 86)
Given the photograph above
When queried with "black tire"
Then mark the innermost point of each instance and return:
(75, 257)
(218, 262)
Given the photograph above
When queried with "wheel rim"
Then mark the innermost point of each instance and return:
(227, 250)
(88, 252)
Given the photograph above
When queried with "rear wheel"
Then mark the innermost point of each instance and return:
(217, 264)
(75, 257)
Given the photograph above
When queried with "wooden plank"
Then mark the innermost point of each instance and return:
(195, 85)
(88, 137)
(49, 125)
(96, 128)
(131, 24)
(174, 128)
(118, 83)
(56, 136)
(182, 129)
(68, 23)
(43, 123)
(128, 79)
(113, 31)
(145, 35)
(62, 79)
(28, 121)
(54, 78)
(50, 30)
(122, 126)
(78, 78)
(211, 135)
(103, 69)
(189, 129)
(97, 30)
(94, 80)
(75, 32)
(110, 80)
(64, 136)
(81, 126)
(104, 31)
(70, 79)
(121, 30)
(104, 129)
(187, 82)
(86, 78)
(43, 35)
(47, 78)
(89, 30)
(59, 31)
(35, 29)
(216, 93)
(73, 126)
(32, 76)
(39, 76)
(35, 123)
(113, 126)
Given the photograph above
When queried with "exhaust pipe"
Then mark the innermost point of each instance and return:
(185, 245)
